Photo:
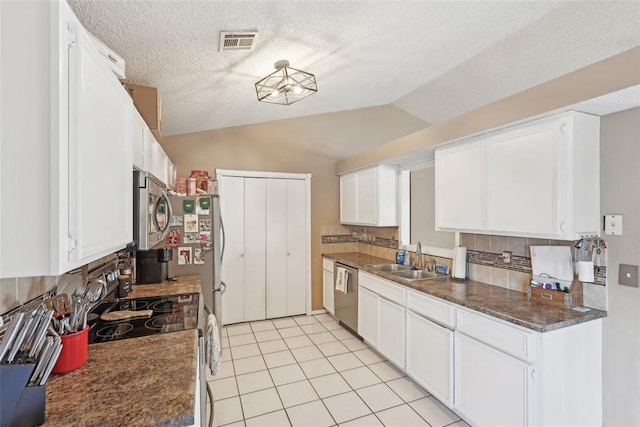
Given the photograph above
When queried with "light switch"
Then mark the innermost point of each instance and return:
(613, 225)
(628, 275)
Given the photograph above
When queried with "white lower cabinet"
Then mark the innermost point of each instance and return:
(381, 316)
(327, 285)
(368, 316)
(430, 356)
(490, 371)
(491, 388)
(391, 330)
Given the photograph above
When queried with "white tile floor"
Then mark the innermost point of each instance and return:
(310, 371)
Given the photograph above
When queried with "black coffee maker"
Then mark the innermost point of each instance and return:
(152, 266)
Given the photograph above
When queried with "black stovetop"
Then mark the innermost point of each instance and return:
(170, 314)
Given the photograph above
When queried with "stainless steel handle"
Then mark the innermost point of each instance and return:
(211, 407)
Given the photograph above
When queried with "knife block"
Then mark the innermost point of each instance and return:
(20, 405)
(570, 299)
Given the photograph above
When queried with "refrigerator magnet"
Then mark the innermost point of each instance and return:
(184, 255)
(205, 237)
(190, 223)
(175, 221)
(173, 238)
(198, 256)
(188, 206)
(205, 225)
(191, 238)
(203, 205)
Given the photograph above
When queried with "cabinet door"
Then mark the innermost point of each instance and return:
(100, 156)
(491, 388)
(522, 180)
(232, 272)
(460, 179)
(348, 198)
(368, 316)
(327, 290)
(430, 356)
(276, 229)
(137, 138)
(367, 196)
(254, 248)
(296, 232)
(391, 331)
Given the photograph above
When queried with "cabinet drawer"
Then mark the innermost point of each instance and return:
(327, 264)
(384, 288)
(497, 334)
(432, 308)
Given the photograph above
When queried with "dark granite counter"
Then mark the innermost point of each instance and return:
(495, 301)
(145, 381)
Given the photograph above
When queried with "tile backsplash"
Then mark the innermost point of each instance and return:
(484, 260)
(381, 242)
(18, 290)
(486, 265)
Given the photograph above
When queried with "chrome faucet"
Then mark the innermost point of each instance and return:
(419, 254)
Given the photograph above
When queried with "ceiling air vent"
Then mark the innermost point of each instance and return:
(237, 40)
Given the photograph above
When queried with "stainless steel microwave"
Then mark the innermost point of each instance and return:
(151, 211)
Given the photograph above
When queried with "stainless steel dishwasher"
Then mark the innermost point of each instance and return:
(346, 304)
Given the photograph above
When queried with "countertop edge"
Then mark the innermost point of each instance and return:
(593, 314)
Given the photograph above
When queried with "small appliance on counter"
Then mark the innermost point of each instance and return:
(152, 266)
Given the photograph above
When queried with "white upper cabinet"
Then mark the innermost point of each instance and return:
(460, 182)
(137, 138)
(66, 177)
(539, 179)
(369, 196)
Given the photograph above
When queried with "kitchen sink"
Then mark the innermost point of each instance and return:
(417, 274)
(389, 267)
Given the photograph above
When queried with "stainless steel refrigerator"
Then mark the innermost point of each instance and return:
(206, 244)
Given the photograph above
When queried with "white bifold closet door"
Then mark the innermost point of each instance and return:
(285, 247)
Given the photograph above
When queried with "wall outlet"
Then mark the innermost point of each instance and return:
(628, 275)
(613, 225)
(506, 257)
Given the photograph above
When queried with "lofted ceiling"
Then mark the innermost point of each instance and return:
(432, 59)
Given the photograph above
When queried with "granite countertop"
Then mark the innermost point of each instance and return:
(146, 381)
(181, 285)
(495, 301)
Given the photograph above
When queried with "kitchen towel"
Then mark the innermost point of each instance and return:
(459, 270)
(212, 346)
(342, 280)
(552, 261)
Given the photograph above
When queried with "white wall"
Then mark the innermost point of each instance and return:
(620, 194)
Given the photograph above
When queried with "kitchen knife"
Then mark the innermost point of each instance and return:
(24, 328)
(125, 314)
(11, 333)
(52, 361)
(27, 343)
(43, 358)
(40, 333)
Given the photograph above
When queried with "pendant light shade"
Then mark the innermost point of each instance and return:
(286, 85)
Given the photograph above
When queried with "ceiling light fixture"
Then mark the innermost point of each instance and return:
(286, 85)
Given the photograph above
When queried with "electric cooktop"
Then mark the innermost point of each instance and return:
(168, 314)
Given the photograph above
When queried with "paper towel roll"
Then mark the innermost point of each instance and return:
(459, 262)
(585, 271)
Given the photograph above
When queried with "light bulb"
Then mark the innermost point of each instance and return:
(297, 90)
(275, 93)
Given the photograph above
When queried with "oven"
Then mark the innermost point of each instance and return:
(151, 210)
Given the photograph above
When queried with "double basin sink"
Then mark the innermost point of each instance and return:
(405, 272)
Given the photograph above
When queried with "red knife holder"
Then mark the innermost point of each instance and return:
(20, 405)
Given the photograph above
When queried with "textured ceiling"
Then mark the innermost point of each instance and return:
(432, 59)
